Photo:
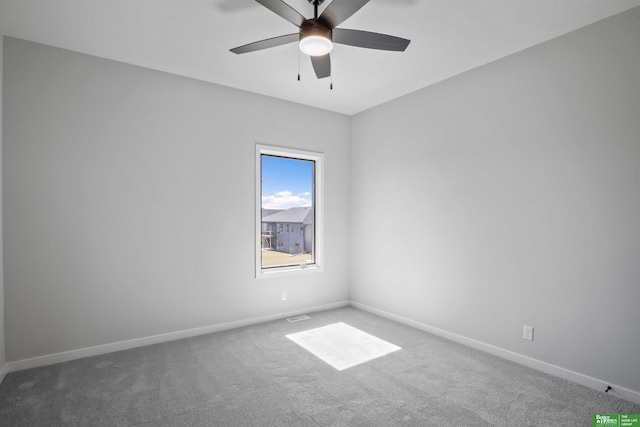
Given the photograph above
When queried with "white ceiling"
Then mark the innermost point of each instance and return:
(192, 38)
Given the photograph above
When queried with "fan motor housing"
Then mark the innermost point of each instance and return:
(313, 28)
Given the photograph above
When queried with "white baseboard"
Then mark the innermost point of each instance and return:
(3, 372)
(547, 368)
(66, 356)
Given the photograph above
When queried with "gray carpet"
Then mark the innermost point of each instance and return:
(254, 376)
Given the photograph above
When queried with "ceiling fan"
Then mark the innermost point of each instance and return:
(316, 35)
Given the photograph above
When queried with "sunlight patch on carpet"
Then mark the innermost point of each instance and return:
(342, 346)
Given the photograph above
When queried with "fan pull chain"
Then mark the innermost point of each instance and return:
(331, 77)
(298, 64)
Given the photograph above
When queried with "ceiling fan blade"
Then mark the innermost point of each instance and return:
(322, 65)
(267, 43)
(339, 10)
(283, 10)
(369, 40)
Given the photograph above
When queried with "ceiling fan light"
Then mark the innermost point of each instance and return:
(315, 45)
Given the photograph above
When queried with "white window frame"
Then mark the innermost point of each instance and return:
(318, 203)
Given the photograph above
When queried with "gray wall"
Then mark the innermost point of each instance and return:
(513, 195)
(129, 202)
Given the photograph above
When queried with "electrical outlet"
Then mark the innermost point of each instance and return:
(527, 333)
(284, 295)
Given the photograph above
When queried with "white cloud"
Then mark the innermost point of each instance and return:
(285, 200)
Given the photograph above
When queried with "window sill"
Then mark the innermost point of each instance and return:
(293, 270)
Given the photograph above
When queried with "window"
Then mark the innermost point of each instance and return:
(288, 198)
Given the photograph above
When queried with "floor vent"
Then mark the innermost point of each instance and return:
(298, 318)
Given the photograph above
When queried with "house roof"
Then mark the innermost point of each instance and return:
(267, 212)
(291, 215)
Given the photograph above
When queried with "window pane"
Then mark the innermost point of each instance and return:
(287, 194)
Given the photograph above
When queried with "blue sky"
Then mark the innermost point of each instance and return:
(286, 183)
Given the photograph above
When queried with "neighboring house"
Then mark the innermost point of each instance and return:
(268, 230)
(289, 231)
